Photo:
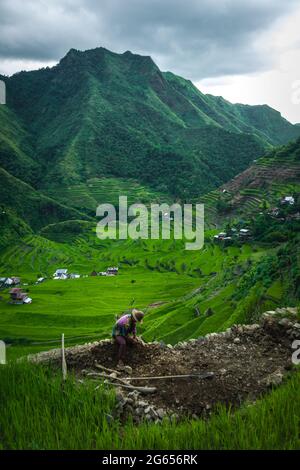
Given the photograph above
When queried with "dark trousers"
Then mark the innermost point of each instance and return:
(123, 341)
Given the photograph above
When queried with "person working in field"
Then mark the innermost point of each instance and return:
(124, 332)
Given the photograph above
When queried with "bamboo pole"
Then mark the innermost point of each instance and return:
(63, 358)
(106, 369)
(104, 376)
(131, 387)
(204, 375)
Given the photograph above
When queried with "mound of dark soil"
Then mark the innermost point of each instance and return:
(246, 361)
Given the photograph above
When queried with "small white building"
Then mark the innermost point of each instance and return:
(288, 200)
(244, 233)
(60, 274)
(112, 271)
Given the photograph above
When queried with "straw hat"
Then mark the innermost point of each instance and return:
(138, 315)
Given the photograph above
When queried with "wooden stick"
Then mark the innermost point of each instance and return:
(204, 375)
(139, 389)
(104, 376)
(63, 358)
(99, 366)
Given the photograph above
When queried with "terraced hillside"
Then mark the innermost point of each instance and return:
(95, 191)
(185, 293)
(259, 187)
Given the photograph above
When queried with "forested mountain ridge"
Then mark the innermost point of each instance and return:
(99, 114)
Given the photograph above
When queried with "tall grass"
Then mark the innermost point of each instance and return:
(39, 412)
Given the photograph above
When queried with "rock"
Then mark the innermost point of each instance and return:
(142, 404)
(128, 370)
(134, 394)
(114, 375)
(223, 371)
(153, 413)
(280, 310)
(148, 417)
(161, 413)
(292, 310)
(297, 326)
(252, 327)
(285, 322)
(236, 340)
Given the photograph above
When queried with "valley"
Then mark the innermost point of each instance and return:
(99, 125)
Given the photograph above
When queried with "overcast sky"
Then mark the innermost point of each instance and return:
(245, 50)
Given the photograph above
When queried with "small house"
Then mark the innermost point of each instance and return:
(102, 273)
(220, 236)
(8, 282)
(19, 297)
(74, 276)
(94, 273)
(60, 274)
(288, 200)
(112, 271)
(15, 280)
(244, 233)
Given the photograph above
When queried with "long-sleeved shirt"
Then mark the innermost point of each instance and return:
(124, 326)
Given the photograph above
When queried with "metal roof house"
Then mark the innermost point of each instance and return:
(60, 274)
(288, 200)
(112, 271)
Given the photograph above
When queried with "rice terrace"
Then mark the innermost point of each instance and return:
(171, 322)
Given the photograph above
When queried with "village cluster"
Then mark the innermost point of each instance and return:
(18, 296)
(275, 212)
(244, 234)
(63, 273)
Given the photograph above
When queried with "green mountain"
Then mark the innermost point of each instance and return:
(101, 114)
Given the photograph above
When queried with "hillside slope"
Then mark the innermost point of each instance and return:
(259, 188)
(26, 203)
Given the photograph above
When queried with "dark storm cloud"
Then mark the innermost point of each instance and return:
(195, 38)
